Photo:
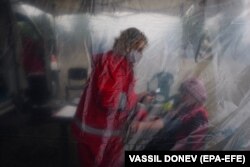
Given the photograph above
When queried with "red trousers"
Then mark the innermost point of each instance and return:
(98, 151)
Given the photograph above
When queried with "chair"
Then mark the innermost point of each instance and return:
(76, 78)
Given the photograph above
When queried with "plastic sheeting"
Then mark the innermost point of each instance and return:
(208, 42)
(225, 73)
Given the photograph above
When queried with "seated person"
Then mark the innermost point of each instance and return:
(185, 127)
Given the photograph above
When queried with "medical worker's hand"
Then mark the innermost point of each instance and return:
(146, 97)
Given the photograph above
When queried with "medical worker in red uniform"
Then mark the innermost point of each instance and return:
(107, 101)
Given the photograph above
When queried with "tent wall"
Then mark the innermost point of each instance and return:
(225, 73)
(10, 67)
(170, 7)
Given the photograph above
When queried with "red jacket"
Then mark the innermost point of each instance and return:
(32, 60)
(184, 129)
(112, 75)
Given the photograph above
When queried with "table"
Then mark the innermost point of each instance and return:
(64, 116)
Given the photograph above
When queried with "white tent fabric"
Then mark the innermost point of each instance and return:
(225, 72)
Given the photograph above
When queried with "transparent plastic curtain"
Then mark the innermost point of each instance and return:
(224, 67)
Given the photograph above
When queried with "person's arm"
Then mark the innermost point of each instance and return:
(145, 97)
(141, 95)
(109, 85)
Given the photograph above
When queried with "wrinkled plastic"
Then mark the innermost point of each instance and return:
(223, 65)
(208, 42)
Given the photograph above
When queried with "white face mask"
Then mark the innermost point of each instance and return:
(135, 56)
